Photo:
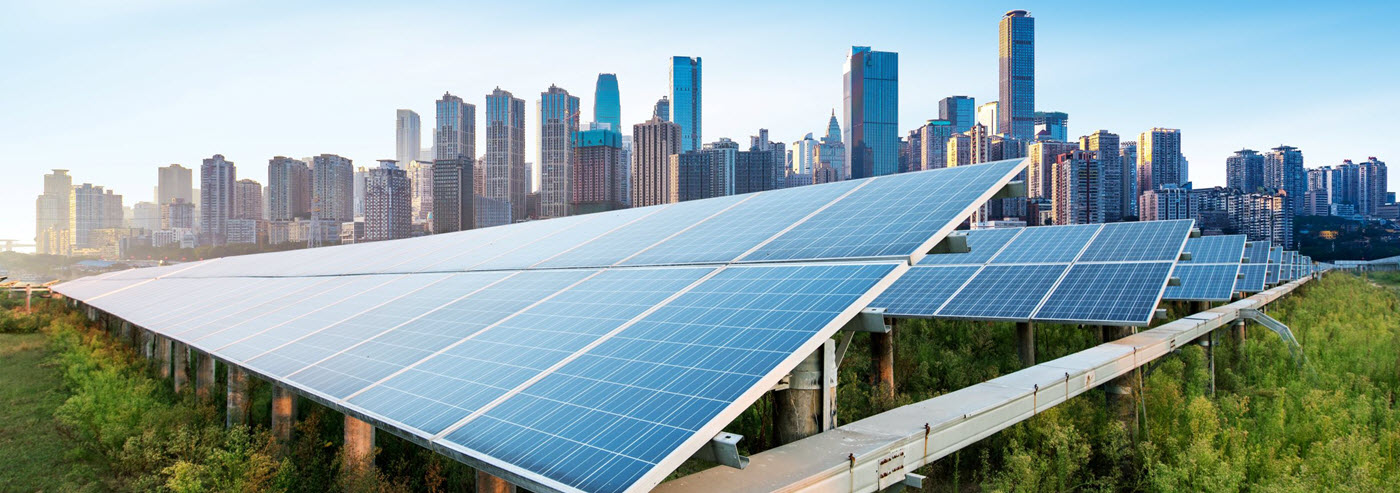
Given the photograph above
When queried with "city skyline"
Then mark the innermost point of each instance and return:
(232, 119)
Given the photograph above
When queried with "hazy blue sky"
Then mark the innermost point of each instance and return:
(113, 89)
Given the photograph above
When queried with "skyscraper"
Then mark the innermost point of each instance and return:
(558, 123)
(987, 117)
(216, 179)
(288, 189)
(454, 204)
(53, 211)
(686, 100)
(959, 111)
(388, 212)
(1127, 154)
(174, 182)
(704, 173)
(1159, 159)
(332, 189)
(420, 181)
(455, 134)
(357, 190)
(653, 144)
(933, 139)
(804, 155)
(247, 200)
(594, 179)
(831, 154)
(1244, 171)
(92, 208)
(507, 179)
(1053, 125)
(408, 136)
(662, 109)
(1283, 170)
(1371, 188)
(1040, 171)
(607, 103)
(871, 110)
(1078, 192)
(761, 167)
(1016, 61)
(1111, 176)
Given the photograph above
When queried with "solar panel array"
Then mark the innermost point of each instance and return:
(1111, 274)
(1255, 269)
(1271, 276)
(1211, 272)
(592, 353)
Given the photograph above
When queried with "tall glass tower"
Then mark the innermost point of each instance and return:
(872, 112)
(607, 104)
(1017, 66)
(685, 100)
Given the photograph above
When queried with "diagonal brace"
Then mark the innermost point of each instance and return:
(1278, 327)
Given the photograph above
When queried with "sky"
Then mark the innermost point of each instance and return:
(112, 90)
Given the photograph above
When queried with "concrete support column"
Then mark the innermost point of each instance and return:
(358, 449)
(1210, 358)
(486, 483)
(1237, 335)
(181, 365)
(1119, 391)
(237, 397)
(284, 411)
(882, 362)
(124, 332)
(798, 410)
(160, 355)
(203, 375)
(1025, 342)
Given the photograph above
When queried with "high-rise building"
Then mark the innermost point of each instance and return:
(506, 174)
(607, 103)
(654, 142)
(832, 152)
(1040, 171)
(704, 173)
(662, 109)
(1283, 170)
(1016, 63)
(408, 136)
(761, 167)
(1244, 171)
(92, 209)
(388, 208)
(146, 216)
(454, 205)
(247, 200)
(174, 182)
(1053, 125)
(52, 215)
(1165, 203)
(871, 113)
(1127, 154)
(1372, 187)
(959, 148)
(420, 182)
(1263, 216)
(1078, 191)
(558, 123)
(357, 187)
(332, 189)
(594, 176)
(959, 111)
(624, 177)
(933, 144)
(455, 133)
(987, 117)
(1159, 160)
(1114, 186)
(686, 101)
(804, 155)
(288, 189)
(216, 178)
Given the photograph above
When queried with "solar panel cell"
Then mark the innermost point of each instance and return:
(1113, 293)
(1003, 292)
(922, 290)
(1139, 241)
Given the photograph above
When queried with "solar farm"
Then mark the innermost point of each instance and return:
(599, 352)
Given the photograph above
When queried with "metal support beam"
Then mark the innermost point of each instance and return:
(723, 449)
(1025, 342)
(1278, 328)
(237, 411)
(284, 411)
(358, 449)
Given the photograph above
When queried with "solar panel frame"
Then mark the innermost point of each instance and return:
(1254, 277)
(1204, 282)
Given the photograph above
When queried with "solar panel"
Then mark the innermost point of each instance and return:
(1061, 244)
(1204, 282)
(1227, 249)
(924, 289)
(1107, 293)
(982, 244)
(1257, 252)
(1003, 292)
(1253, 280)
(1139, 241)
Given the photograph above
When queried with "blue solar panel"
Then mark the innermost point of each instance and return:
(1204, 282)
(1139, 241)
(1253, 280)
(982, 244)
(1227, 249)
(1116, 293)
(1271, 277)
(912, 207)
(921, 290)
(1003, 292)
(396, 349)
(625, 242)
(1275, 255)
(1056, 244)
(1257, 252)
(438, 391)
(611, 416)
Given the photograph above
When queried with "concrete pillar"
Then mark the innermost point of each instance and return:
(203, 375)
(1200, 306)
(124, 332)
(358, 449)
(798, 410)
(1025, 342)
(1237, 335)
(882, 362)
(486, 483)
(284, 411)
(161, 356)
(1119, 391)
(1210, 358)
(181, 366)
(237, 397)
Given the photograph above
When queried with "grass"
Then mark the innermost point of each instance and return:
(35, 452)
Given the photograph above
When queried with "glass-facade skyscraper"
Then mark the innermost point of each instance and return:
(1016, 63)
(685, 100)
(960, 111)
(871, 109)
(558, 124)
(455, 134)
(607, 103)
